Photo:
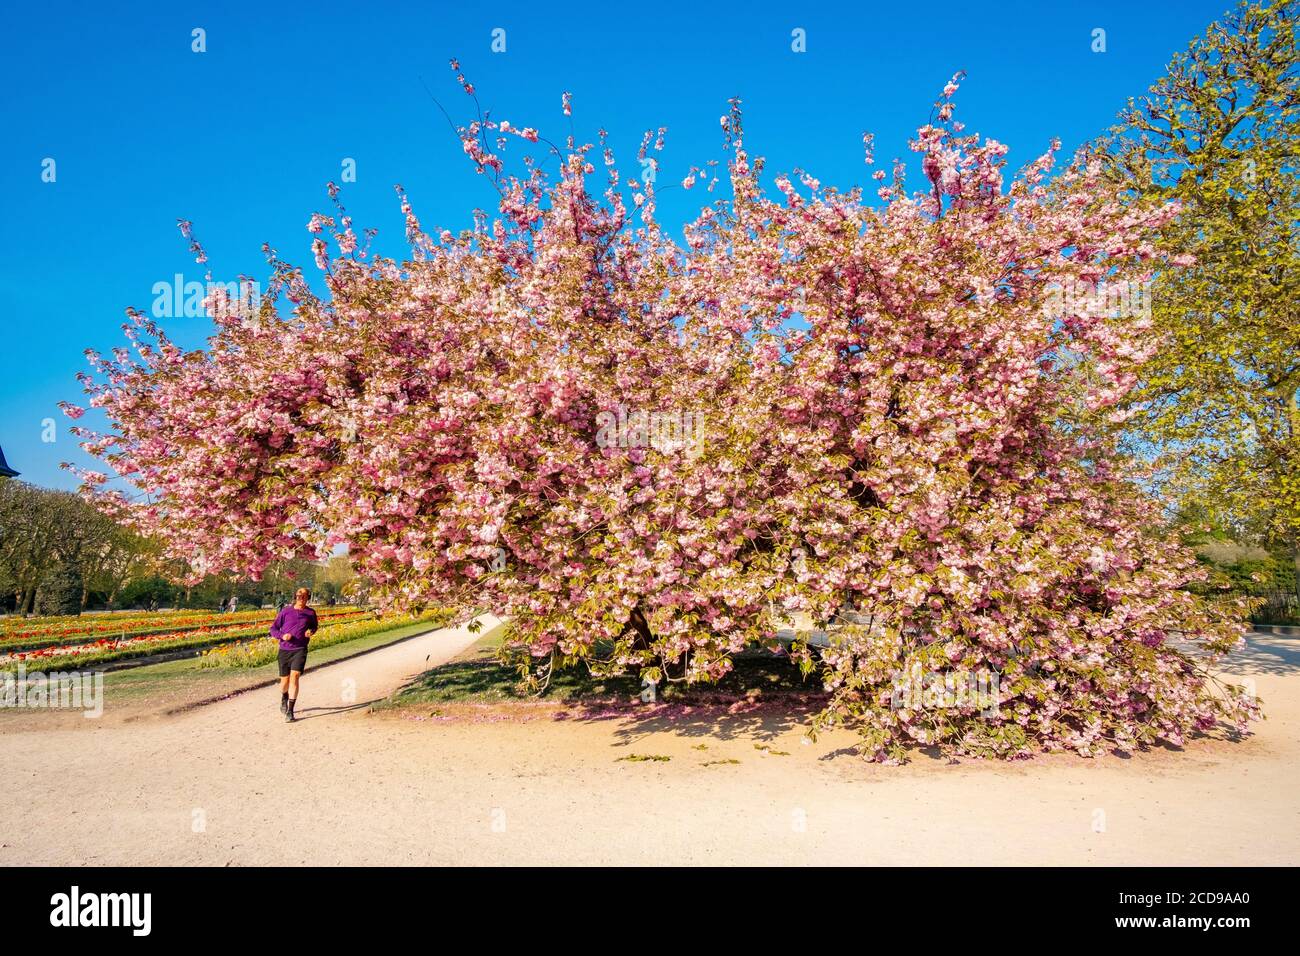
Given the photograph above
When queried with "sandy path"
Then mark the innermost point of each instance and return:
(232, 783)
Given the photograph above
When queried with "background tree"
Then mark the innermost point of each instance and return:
(104, 552)
(149, 592)
(52, 539)
(1218, 407)
(335, 579)
(38, 531)
(60, 590)
(121, 554)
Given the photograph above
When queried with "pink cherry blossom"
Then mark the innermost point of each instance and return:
(924, 443)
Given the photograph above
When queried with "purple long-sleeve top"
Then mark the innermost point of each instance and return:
(291, 627)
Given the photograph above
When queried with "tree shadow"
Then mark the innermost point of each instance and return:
(1275, 654)
(762, 697)
(755, 674)
(763, 720)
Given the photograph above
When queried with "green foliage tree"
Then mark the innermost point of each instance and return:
(37, 534)
(335, 579)
(113, 555)
(152, 591)
(59, 591)
(1218, 408)
(47, 535)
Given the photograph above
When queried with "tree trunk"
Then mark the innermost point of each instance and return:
(636, 620)
(1295, 560)
(85, 596)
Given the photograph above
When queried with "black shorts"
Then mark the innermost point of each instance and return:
(293, 661)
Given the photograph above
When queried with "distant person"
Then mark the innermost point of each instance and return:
(293, 628)
(234, 602)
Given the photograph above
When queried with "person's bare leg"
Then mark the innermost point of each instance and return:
(293, 689)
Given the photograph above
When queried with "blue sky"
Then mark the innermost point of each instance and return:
(242, 138)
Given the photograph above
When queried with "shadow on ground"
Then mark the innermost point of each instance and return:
(1266, 654)
(310, 713)
(761, 720)
(763, 697)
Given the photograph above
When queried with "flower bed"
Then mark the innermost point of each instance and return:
(106, 650)
(41, 631)
(263, 650)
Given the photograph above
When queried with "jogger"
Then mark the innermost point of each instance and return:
(293, 627)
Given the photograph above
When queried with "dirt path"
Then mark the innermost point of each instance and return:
(232, 783)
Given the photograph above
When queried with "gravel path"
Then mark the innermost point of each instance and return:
(231, 783)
